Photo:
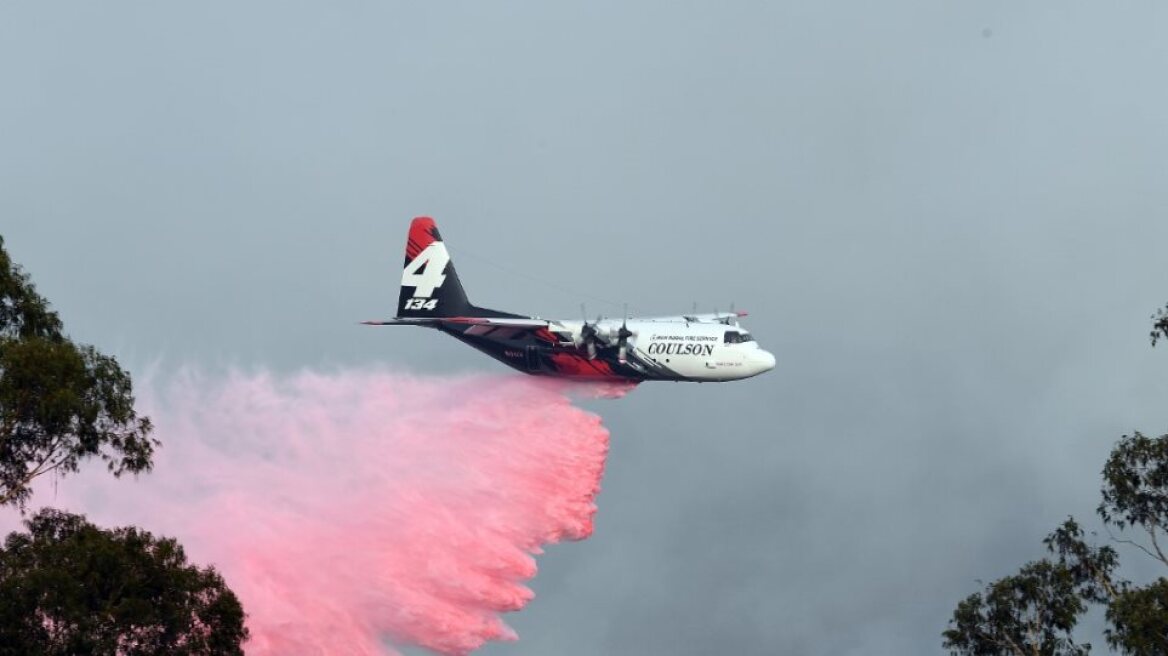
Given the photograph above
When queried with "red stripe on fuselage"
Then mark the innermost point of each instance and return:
(571, 364)
(545, 335)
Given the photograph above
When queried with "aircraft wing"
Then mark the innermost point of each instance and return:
(712, 317)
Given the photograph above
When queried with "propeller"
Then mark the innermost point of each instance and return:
(588, 334)
(622, 338)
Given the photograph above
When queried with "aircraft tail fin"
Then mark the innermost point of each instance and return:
(429, 285)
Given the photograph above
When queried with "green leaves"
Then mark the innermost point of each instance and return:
(1135, 483)
(66, 586)
(1035, 611)
(1135, 496)
(1091, 568)
(60, 402)
(1139, 620)
(69, 587)
(1032, 612)
(23, 313)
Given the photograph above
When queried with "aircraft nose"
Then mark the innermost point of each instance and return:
(766, 360)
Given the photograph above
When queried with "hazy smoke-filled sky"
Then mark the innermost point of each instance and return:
(949, 221)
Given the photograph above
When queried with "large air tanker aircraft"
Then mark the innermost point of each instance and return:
(697, 347)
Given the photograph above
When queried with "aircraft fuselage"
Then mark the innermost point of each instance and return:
(701, 348)
(658, 350)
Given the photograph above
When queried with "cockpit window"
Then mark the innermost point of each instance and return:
(735, 337)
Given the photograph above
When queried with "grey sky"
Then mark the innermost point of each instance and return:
(947, 221)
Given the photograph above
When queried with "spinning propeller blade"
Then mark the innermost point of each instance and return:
(622, 338)
(588, 334)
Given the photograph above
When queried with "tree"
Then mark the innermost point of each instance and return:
(1160, 325)
(1139, 620)
(1035, 611)
(68, 587)
(1032, 612)
(1135, 496)
(60, 402)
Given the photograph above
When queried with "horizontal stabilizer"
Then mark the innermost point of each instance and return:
(419, 321)
(513, 322)
(516, 322)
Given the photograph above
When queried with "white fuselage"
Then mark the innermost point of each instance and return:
(690, 350)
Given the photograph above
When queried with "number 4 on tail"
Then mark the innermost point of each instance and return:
(425, 272)
(421, 304)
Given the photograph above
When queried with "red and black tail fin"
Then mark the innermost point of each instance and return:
(429, 284)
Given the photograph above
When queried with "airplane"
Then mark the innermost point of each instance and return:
(693, 347)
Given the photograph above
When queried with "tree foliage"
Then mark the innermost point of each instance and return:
(1138, 620)
(68, 587)
(1160, 325)
(1092, 568)
(1035, 611)
(1031, 612)
(23, 313)
(1135, 489)
(60, 402)
(1135, 498)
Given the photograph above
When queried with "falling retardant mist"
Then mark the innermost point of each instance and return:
(355, 510)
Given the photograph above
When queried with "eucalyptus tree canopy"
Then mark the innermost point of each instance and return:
(60, 402)
(1034, 612)
(68, 587)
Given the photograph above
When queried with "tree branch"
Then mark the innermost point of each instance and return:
(1155, 544)
(38, 469)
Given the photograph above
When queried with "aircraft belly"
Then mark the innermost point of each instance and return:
(543, 358)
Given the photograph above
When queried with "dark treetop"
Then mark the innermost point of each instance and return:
(68, 587)
(60, 402)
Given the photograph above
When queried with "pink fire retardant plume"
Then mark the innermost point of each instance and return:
(351, 510)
